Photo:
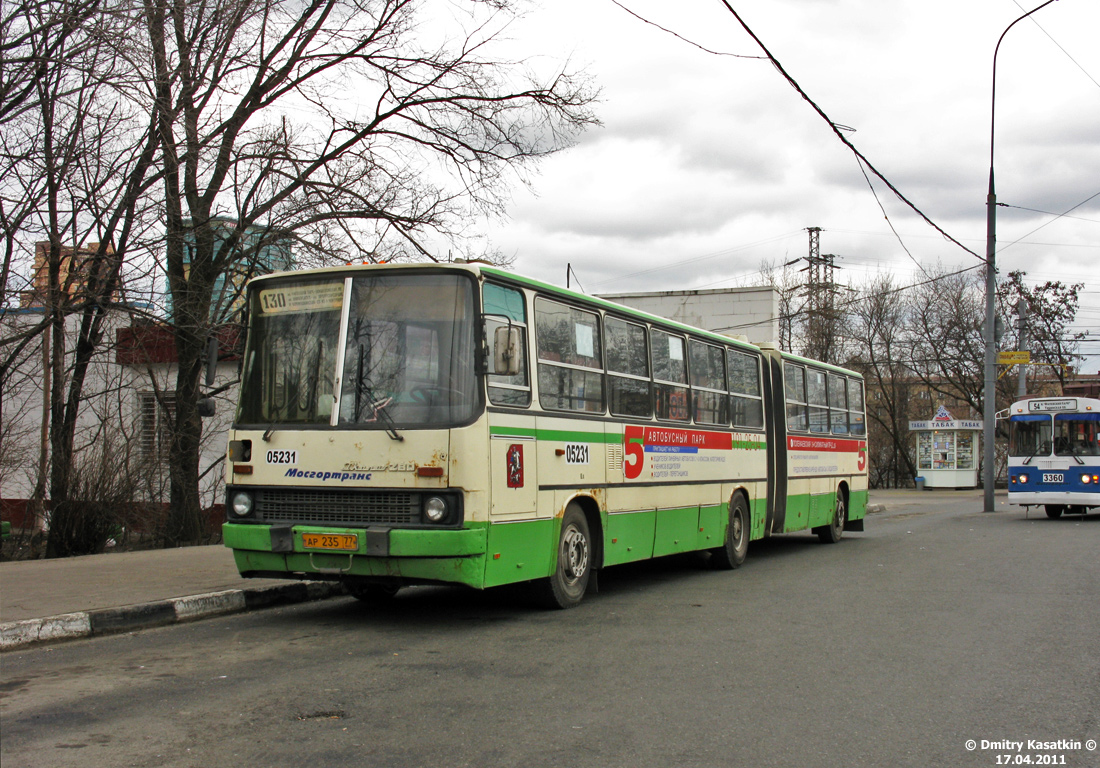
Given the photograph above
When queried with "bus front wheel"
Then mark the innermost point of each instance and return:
(373, 594)
(567, 584)
(1054, 511)
(732, 553)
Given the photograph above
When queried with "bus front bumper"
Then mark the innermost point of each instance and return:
(1053, 498)
(413, 555)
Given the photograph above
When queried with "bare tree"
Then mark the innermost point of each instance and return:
(944, 323)
(875, 328)
(788, 284)
(372, 114)
(74, 172)
(1052, 308)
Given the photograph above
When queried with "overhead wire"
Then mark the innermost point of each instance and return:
(1063, 50)
(681, 37)
(1046, 223)
(858, 299)
(864, 164)
(1051, 213)
(838, 131)
(888, 222)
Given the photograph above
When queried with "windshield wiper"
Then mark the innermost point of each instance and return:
(377, 406)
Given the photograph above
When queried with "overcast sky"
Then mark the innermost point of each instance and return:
(708, 164)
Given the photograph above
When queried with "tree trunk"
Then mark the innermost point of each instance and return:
(185, 521)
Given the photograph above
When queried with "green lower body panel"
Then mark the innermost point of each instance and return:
(629, 537)
(759, 523)
(857, 505)
(822, 509)
(798, 513)
(712, 527)
(520, 551)
(677, 531)
(810, 511)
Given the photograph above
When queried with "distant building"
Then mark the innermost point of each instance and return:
(72, 275)
(262, 250)
(749, 312)
(1083, 385)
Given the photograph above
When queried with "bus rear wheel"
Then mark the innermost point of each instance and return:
(732, 553)
(831, 533)
(567, 584)
(1054, 511)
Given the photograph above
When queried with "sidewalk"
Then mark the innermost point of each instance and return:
(43, 600)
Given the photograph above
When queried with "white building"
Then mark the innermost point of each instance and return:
(122, 429)
(749, 312)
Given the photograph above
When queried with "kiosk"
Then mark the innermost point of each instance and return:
(947, 450)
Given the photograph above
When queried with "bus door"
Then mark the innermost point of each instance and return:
(776, 424)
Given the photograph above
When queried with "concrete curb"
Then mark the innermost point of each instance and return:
(874, 509)
(108, 621)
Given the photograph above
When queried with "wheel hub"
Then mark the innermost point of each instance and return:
(574, 553)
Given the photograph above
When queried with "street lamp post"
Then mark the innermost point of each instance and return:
(989, 413)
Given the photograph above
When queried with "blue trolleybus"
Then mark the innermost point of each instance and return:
(1054, 454)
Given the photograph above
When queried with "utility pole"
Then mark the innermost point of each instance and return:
(989, 406)
(821, 299)
(1021, 345)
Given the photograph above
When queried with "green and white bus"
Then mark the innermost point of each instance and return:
(414, 424)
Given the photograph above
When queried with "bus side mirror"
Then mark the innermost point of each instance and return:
(506, 342)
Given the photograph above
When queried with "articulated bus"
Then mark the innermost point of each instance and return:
(1054, 454)
(415, 424)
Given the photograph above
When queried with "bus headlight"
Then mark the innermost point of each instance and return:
(1023, 478)
(435, 509)
(241, 505)
(1086, 479)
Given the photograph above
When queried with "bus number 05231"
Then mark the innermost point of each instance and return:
(576, 453)
(282, 457)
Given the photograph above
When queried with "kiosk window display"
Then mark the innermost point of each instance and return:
(947, 451)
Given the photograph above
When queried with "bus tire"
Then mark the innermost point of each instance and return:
(566, 586)
(831, 533)
(732, 552)
(1054, 511)
(373, 594)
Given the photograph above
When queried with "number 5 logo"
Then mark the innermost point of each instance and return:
(634, 451)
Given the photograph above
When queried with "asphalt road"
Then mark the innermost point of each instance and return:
(893, 648)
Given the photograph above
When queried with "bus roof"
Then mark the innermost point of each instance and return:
(566, 293)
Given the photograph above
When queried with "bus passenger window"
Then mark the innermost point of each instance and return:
(570, 363)
(708, 383)
(669, 375)
(855, 407)
(628, 382)
(815, 394)
(746, 403)
(794, 377)
(838, 404)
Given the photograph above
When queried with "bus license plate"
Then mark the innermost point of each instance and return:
(343, 542)
(1053, 477)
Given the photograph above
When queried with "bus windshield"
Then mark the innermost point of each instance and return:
(1031, 436)
(1077, 434)
(408, 352)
